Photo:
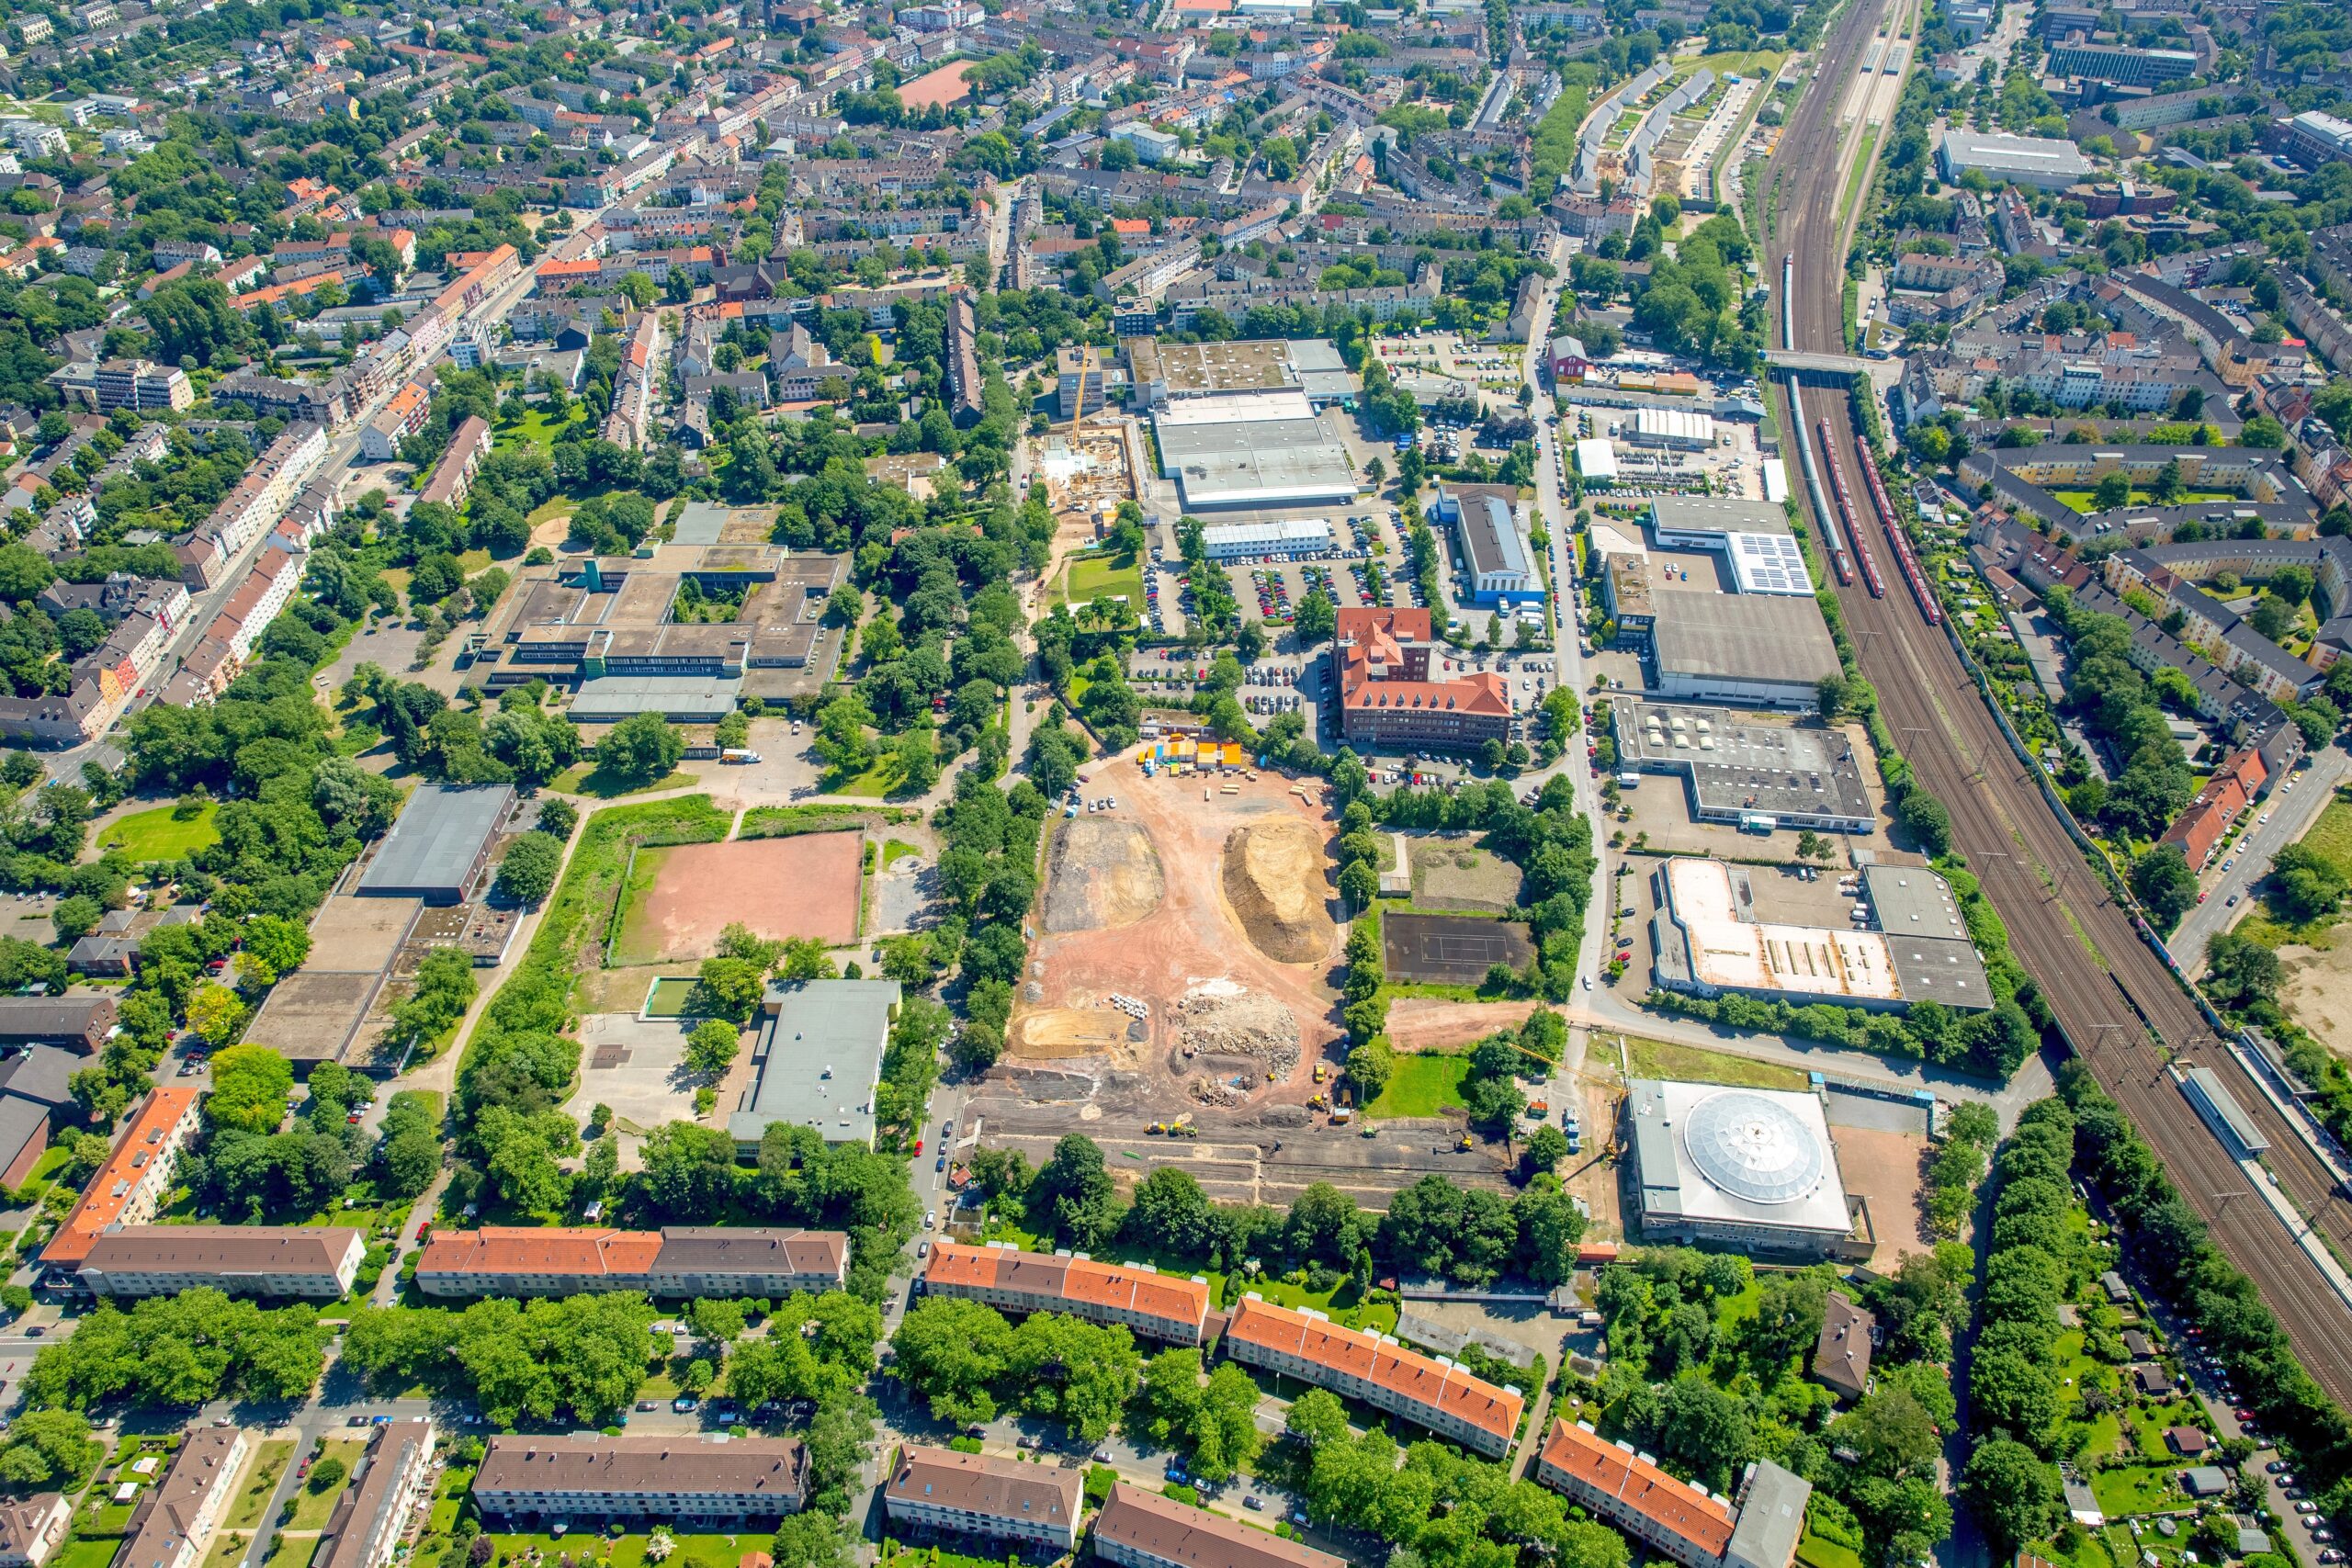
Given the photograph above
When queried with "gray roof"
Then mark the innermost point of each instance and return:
(359, 1529)
(1771, 1515)
(609, 698)
(1490, 538)
(1910, 898)
(230, 1251)
(1168, 1531)
(44, 1018)
(998, 1488)
(1768, 637)
(718, 1248)
(819, 1056)
(41, 1074)
(164, 1523)
(21, 1120)
(1716, 513)
(438, 843)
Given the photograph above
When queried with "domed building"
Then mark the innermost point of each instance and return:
(1751, 1169)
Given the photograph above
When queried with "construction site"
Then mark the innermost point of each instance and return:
(1182, 1001)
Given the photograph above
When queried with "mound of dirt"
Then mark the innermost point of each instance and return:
(1051, 1032)
(1102, 873)
(1224, 1021)
(1277, 880)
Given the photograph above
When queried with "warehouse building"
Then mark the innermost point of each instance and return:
(1759, 650)
(1749, 1169)
(1752, 536)
(440, 843)
(2042, 162)
(1490, 538)
(1264, 450)
(818, 1060)
(1676, 429)
(1764, 776)
(1908, 941)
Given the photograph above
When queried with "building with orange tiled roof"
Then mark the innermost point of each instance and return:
(1676, 1519)
(130, 1188)
(1362, 1365)
(682, 1261)
(1156, 1306)
(1387, 694)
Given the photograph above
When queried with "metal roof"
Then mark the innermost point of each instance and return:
(438, 843)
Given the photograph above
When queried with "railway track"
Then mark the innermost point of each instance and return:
(2114, 1000)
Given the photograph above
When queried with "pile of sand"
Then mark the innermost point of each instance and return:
(1224, 1020)
(1277, 881)
(1051, 1032)
(1102, 873)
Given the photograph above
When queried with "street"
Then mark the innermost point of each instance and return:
(2281, 817)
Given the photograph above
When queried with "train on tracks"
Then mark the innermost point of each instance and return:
(1864, 563)
(1905, 555)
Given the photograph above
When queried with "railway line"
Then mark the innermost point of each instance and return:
(2114, 999)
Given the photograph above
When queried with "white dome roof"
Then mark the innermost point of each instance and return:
(1753, 1147)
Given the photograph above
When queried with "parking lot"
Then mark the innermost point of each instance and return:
(1359, 569)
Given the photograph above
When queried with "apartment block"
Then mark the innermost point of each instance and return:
(1156, 1306)
(172, 1527)
(1136, 1529)
(130, 1186)
(391, 1478)
(1362, 1365)
(702, 1483)
(1682, 1522)
(317, 1261)
(679, 1261)
(142, 384)
(972, 1495)
(454, 475)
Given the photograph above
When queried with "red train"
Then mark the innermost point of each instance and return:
(1864, 560)
(1905, 555)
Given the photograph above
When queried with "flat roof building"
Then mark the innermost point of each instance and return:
(2045, 162)
(1736, 773)
(1265, 449)
(1155, 1305)
(317, 1261)
(1363, 1365)
(704, 1481)
(678, 1260)
(437, 848)
(1753, 537)
(1288, 539)
(1489, 529)
(1746, 1167)
(1137, 1529)
(818, 1060)
(1761, 649)
(975, 1496)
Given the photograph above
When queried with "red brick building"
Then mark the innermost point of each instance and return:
(1387, 694)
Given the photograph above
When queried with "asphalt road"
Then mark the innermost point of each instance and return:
(2283, 817)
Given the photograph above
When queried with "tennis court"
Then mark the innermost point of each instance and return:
(1451, 949)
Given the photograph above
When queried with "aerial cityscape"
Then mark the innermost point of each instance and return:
(612, 615)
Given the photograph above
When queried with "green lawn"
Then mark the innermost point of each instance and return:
(162, 834)
(86, 1551)
(2124, 1492)
(2331, 837)
(628, 1551)
(253, 1498)
(312, 1508)
(1692, 1064)
(894, 851)
(1820, 1551)
(585, 778)
(1091, 577)
(534, 428)
(2080, 499)
(670, 997)
(1427, 1083)
(293, 1551)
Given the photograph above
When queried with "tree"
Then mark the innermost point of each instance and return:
(1370, 1067)
(1171, 1214)
(689, 1171)
(527, 873)
(49, 1451)
(1073, 1189)
(949, 1351)
(2112, 492)
(1925, 818)
(2014, 1494)
(637, 287)
(711, 1048)
(250, 1086)
(639, 750)
(2240, 971)
(2163, 884)
(76, 917)
(326, 1475)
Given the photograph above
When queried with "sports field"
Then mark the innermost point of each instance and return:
(1450, 949)
(680, 898)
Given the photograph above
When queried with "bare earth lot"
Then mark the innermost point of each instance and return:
(803, 886)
